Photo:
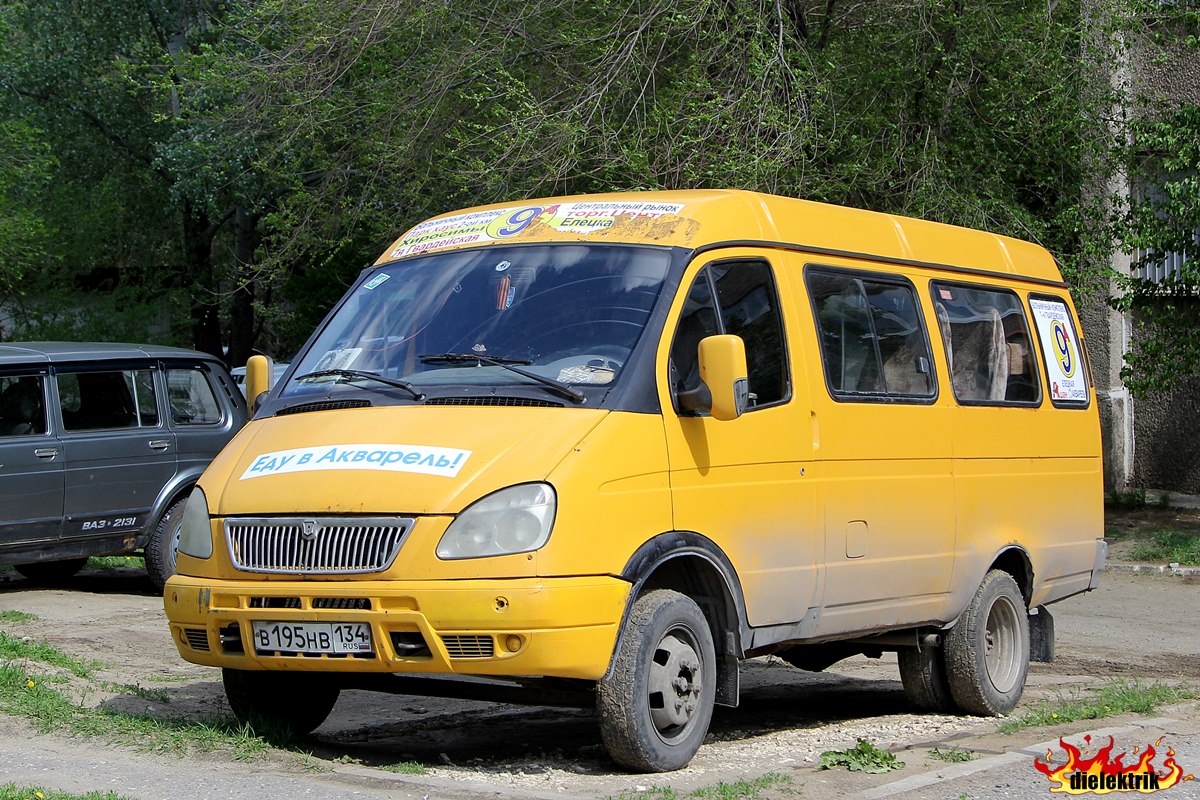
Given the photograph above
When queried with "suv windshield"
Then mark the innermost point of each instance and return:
(535, 316)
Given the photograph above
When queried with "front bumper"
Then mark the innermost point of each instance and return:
(552, 627)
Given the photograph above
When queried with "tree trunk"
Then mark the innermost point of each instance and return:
(197, 256)
(245, 247)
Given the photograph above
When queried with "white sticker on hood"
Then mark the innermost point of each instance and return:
(442, 461)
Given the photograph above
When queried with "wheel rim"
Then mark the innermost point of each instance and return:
(675, 684)
(1002, 645)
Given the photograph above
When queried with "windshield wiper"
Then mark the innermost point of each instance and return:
(508, 364)
(358, 373)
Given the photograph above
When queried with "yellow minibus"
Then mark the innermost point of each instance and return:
(600, 449)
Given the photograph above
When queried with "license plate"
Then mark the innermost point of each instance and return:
(312, 637)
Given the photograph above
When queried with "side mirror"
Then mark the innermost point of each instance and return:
(723, 370)
(259, 370)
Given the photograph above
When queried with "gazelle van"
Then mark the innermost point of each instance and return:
(603, 448)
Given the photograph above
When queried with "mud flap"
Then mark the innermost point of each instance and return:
(1041, 635)
(728, 681)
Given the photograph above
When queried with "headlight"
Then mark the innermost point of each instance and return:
(513, 520)
(195, 532)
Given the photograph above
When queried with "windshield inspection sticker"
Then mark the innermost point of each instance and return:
(376, 281)
(443, 461)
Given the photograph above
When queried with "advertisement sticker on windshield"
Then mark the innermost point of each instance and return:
(443, 461)
(634, 220)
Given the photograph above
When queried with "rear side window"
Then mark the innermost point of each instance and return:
(873, 343)
(22, 405)
(987, 345)
(191, 398)
(738, 298)
(99, 400)
(1065, 370)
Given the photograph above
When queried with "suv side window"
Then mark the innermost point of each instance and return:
(873, 342)
(22, 406)
(191, 398)
(119, 399)
(739, 298)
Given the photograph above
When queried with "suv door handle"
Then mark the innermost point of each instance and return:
(46, 452)
(159, 444)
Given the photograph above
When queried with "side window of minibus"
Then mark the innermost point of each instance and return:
(987, 345)
(873, 345)
(749, 308)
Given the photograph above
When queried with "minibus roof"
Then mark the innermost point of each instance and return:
(703, 219)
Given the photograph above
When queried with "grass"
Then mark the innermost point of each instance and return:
(1116, 697)
(739, 790)
(952, 755)
(17, 616)
(1170, 548)
(10, 791)
(14, 649)
(863, 757)
(27, 693)
(405, 768)
(105, 563)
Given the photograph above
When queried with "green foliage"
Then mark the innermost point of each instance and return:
(952, 754)
(10, 791)
(1116, 697)
(1130, 499)
(863, 757)
(242, 161)
(1169, 548)
(16, 616)
(14, 649)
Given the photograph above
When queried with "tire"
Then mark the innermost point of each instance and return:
(51, 572)
(657, 701)
(162, 544)
(923, 673)
(280, 704)
(987, 650)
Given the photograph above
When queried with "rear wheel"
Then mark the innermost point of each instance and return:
(282, 703)
(51, 571)
(923, 673)
(164, 541)
(987, 650)
(656, 703)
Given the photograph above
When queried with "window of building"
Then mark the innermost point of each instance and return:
(987, 345)
(738, 298)
(873, 344)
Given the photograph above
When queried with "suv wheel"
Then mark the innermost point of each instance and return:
(164, 540)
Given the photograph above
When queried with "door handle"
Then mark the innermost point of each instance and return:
(159, 444)
(46, 452)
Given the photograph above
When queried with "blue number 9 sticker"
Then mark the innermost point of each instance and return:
(1062, 343)
(514, 223)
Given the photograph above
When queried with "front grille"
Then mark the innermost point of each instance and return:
(315, 546)
(197, 638)
(342, 603)
(322, 405)
(491, 401)
(469, 646)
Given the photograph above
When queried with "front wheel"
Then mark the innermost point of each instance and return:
(987, 650)
(164, 541)
(657, 701)
(287, 704)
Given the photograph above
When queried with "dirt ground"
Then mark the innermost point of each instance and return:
(1134, 626)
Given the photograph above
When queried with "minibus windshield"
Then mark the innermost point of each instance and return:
(558, 318)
